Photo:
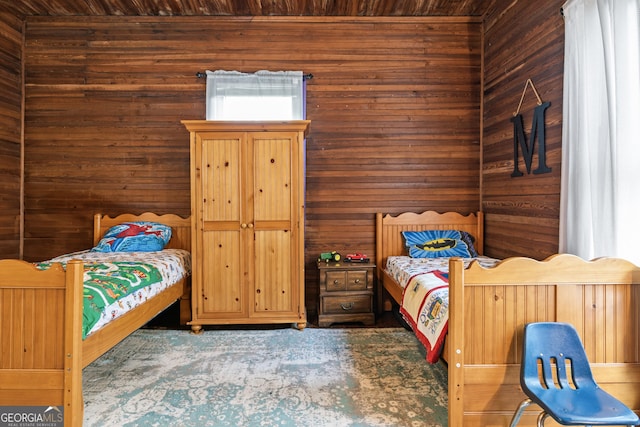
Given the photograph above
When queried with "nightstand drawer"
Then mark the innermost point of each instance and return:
(350, 280)
(346, 304)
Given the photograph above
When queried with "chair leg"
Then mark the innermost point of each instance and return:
(543, 416)
(516, 416)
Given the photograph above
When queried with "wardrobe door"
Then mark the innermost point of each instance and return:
(274, 289)
(224, 260)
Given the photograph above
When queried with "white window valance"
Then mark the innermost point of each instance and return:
(263, 95)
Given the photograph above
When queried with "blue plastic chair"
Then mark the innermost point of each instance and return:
(555, 374)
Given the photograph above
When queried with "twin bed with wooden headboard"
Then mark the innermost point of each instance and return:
(41, 319)
(488, 308)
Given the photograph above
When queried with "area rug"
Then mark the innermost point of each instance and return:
(281, 377)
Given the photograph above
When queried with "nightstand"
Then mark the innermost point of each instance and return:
(346, 293)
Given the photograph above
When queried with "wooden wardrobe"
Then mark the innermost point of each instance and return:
(247, 213)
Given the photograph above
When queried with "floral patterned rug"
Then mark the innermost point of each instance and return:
(280, 377)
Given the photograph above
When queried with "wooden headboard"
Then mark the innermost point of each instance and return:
(180, 227)
(389, 240)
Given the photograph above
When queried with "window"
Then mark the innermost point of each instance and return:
(264, 95)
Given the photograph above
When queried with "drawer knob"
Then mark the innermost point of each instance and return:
(347, 306)
(357, 281)
(335, 282)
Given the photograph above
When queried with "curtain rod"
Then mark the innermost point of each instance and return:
(309, 76)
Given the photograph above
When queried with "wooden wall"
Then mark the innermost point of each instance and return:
(10, 134)
(522, 40)
(394, 105)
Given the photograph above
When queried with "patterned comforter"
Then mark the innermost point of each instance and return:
(116, 282)
(425, 298)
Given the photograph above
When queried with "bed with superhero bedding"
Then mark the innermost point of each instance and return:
(63, 313)
(469, 310)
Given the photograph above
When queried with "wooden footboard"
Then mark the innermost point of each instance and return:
(488, 309)
(41, 337)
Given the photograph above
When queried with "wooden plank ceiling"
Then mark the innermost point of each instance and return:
(248, 7)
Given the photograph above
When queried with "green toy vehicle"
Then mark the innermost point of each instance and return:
(330, 256)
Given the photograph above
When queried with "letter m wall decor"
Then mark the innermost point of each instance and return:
(520, 140)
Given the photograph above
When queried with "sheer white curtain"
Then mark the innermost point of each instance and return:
(264, 95)
(600, 194)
